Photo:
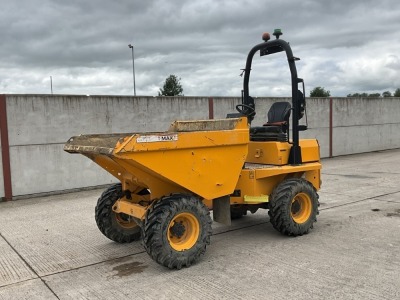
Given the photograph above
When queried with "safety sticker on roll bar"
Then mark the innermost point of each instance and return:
(157, 138)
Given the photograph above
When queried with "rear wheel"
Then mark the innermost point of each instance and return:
(120, 228)
(293, 207)
(177, 230)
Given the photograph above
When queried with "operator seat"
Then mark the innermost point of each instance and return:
(277, 125)
(278, 116)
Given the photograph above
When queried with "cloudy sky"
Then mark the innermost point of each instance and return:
(346, 46)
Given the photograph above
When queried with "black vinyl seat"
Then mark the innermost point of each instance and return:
(276, 127)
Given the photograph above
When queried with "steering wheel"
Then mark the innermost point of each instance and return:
(246, 109)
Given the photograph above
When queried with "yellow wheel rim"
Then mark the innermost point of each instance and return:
(301, 208)
(183, 231)
(125, 221)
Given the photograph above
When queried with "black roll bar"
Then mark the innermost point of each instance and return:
(270, 47)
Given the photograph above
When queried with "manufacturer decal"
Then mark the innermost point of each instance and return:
(157, 138)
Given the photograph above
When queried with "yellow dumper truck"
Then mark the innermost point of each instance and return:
(170, 181)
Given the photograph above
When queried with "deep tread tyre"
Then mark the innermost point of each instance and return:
(293, 207)
(117, 227)
(177, 230)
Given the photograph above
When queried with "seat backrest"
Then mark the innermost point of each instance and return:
(279, 112)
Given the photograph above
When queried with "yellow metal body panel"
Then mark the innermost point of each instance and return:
(283, 170)
(256, 199)
(258, 180)
(206, 163)
(314, 176)
(129, 208)
(269, 153)
(309, 150)
(277, 153)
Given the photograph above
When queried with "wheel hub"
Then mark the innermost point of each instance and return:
(124, 220)
(183, 231)
(301, 208)
(295, 207)
(178, 229)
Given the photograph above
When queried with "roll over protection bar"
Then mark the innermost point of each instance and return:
(266, 48)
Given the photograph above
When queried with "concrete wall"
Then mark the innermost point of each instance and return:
(39, 125)
(318, 123)
(362, 125)
(1, 172)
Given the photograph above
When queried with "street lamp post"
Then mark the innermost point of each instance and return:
(133, 70)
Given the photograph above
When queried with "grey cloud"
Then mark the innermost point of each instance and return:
(84, 45)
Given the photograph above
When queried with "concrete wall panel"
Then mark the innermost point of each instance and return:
(39, 125)
(224, 106)
(317, 113)
(43, 119)
(363, 111)
(1, 173)
(367, 138)
(47, 168)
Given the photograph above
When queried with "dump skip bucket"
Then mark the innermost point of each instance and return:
(202, 157)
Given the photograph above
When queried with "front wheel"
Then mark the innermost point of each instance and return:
(293, 207)
(177, 230)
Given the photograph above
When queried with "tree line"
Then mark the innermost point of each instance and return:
(384, 94)
(173, 87)
(322, 92)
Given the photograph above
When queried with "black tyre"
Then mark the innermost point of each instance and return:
(293, 207)
(119, 228)
(177, 230)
